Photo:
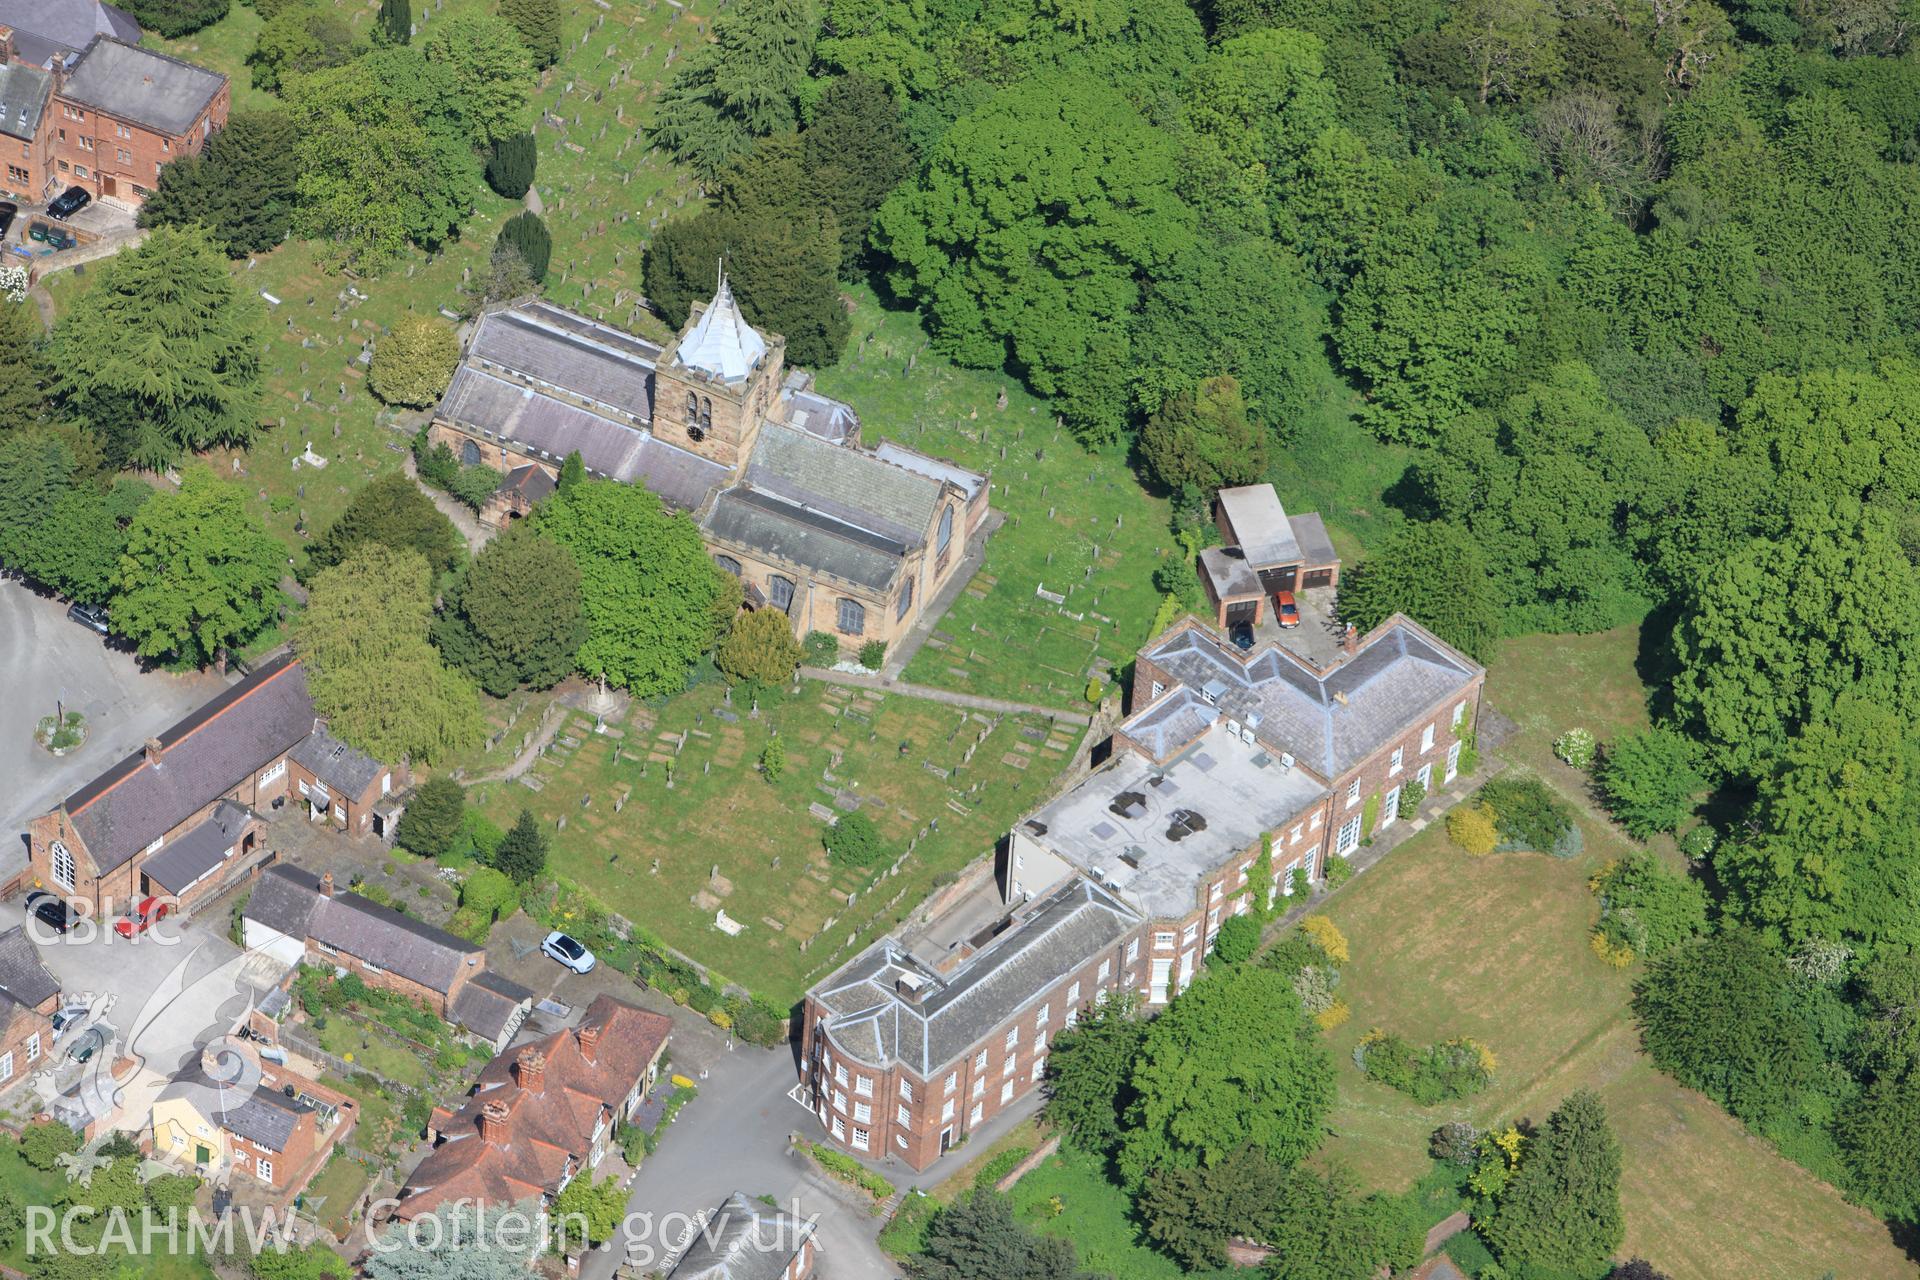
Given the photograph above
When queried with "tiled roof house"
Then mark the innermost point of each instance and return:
(183, 816)
(536, 1119)
(296, 915)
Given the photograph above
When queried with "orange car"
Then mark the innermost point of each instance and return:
(1288, 608)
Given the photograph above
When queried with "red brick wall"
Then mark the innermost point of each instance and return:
(926, 1112)
(119, 159)
(19, 1039)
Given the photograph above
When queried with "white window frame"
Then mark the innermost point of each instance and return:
(1459, 715)
(973, 1116)
(1353, 793)
(1399, 755)
(264, 1168)
(862, 1138)
(904, 1116)
(33, 1047)
(1133, 950)
(863, 1085)
(1453, 762)
(1389, 808)
(1073, 992)
(906, 1091)
(66, 869)
(1426, 739)
(1347, 839)
(863, 1113)
(1006, 1093)
(273, 772)
(953, 1081)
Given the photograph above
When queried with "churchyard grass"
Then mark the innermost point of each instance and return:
(1496, 948)
(653, 861)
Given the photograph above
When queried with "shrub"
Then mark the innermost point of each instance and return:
(490, 893)
(1411, 794)
(759, 648)
(1528, 814)
(510, 165)
(1314, 985)
(528, 236)
(1646, 908)
(853, 841)
(1698, 843)
(1649, 780)
(873, 654)
(1334, 1015)
(1300, 882)
(1576, 748)
(42, 1145)
(1096, 690)
(1452, 1069)
(1338, 871)
(1238, 939)
(1613, 955)
(850, 1171)
(999, 1167)
(473, 925)
(474, 485)
(773, 759)
(414, 361)
(1456, 1143)
(1327, 936)
(820, 649)
(1471, 827)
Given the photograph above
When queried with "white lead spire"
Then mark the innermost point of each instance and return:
(722, 344)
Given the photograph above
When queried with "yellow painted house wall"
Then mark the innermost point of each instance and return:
(178, 1128)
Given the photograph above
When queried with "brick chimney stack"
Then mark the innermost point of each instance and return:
(6, 45)
(326, 884)
(154, 751)
(530, 1068)
(589, 1038)
(1350, 640)
(494, 1124)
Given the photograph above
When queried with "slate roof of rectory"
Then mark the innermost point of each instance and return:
(121, 79)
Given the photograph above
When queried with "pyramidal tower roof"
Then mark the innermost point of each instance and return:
(722, 343)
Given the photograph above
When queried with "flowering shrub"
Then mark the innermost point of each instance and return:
(1327, 936)
(1576, 747)
(1452, 1069)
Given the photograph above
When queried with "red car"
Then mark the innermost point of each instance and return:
(141, 918)
(1289, 610)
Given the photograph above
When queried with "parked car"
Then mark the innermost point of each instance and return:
(68, 1018)
(1241, 633)
(51, 911)
(68, 203)
(8, 212)
(90, 616)
(86, 1044)
(569, 952)
(141, 918)
(1288, 608)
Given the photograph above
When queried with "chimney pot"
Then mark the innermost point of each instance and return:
(530, 1068)
(154, 751)
(589, 1038)
(1350, 639)
(493, 1124)
(326, 884)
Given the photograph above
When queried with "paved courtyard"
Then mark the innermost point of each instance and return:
(44, 659)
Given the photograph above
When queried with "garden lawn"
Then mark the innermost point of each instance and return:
(1078, 523)
(336, 1188)
(653, 861)
(1094, 1214)
(1496, 948)
(372, 1048)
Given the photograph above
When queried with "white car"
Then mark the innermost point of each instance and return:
(568, 952)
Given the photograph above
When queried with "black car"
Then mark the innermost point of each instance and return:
(8, 212)
(90, 616)
(68, 203)
(50, 911)
(1242, 636)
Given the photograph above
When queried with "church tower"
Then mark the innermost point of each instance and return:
(717, 381)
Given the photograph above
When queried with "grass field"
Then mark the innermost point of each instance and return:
(1078, 523)
(653, 860)
(1495, 948)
